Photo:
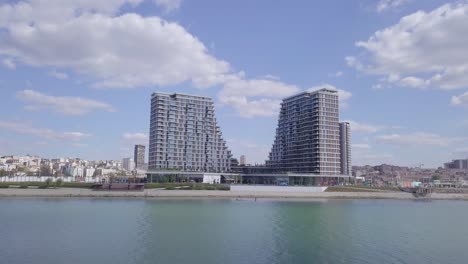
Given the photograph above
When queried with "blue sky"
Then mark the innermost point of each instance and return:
(76, 76)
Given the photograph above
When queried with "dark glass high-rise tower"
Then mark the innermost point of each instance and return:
(139, 156)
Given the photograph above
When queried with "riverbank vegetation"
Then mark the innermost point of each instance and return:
(357, 188)
(187, 186)
(165, 186)
(44, 185)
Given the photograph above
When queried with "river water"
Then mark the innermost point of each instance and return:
(46, 231)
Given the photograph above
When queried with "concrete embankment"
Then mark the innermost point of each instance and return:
(189, 194)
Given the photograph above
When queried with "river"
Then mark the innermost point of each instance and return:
(131, 231)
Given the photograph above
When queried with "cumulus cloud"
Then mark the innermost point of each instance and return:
(461, 100)
(417, 138)
(27, 129)
(262, 97)
(168, 5)
(126, 50)
(424, 49)
(61, 104)
(238, 92)
(383, 5)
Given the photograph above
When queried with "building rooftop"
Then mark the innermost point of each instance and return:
(323, 90)
(180, 94)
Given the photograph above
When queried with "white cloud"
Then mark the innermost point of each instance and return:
(135, 136)
(128, 50)
(237, 86)
(9, 64)
(238, 93)
(119, 51)
(262, 97)
(61, 104)
(417, 138)
(461, 100)
(422, 49)
(352, 61)
(58, 75)
(27, 129)
(270, 77)
(57, 11)
(252, 108)
(413, 82)
(168, 5)
(363, 127)
(336, 74)
(383, 5)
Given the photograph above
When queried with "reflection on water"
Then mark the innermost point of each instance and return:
(230, 231)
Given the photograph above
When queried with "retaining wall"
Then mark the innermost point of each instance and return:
(264, 188)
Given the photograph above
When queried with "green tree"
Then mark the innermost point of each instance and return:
(436, 177)
(48, 182)
(58, 182)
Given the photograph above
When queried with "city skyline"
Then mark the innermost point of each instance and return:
(406, 104)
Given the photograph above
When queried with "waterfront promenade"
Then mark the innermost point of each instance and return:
(195, 194)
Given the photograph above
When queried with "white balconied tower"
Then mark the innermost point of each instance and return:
(308, 134)
(184, 135)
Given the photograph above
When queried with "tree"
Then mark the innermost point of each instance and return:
(48, 182)
(58, 182)
(45, 171)
(436, 178)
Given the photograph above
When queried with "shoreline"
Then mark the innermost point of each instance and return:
(203, 194)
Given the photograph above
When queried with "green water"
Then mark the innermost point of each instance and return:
(45, 231)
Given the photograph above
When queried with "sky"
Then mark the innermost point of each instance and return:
(76, 76)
